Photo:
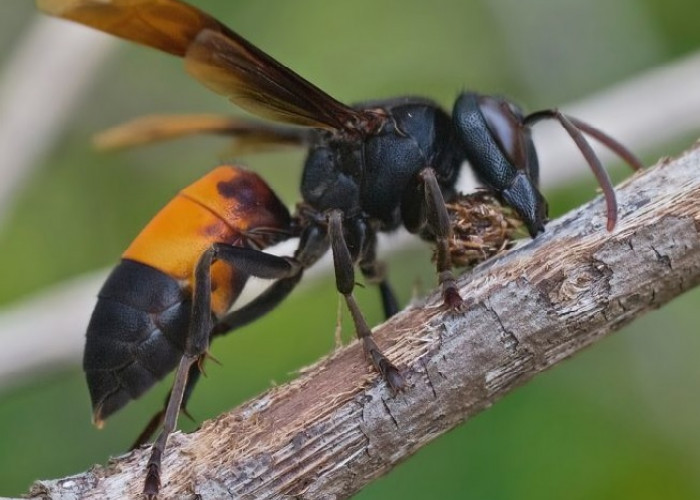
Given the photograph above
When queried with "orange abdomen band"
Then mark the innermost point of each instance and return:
(225, 206)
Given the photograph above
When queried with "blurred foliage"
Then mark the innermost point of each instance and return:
(618, 421)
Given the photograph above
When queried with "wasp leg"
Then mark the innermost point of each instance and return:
(157, 419)
(287, 271)
(345, 282)
(195, 345)
(255, 309)
(155, 422)
(258, 307)
(248, 261)
(374, 272)
(423, 208)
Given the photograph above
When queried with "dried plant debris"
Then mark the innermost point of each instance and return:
(481, 228)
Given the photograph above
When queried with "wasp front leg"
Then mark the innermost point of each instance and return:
(423, 209)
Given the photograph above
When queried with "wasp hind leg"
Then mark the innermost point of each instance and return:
(196, 344)
(157, 419)
(248, 261)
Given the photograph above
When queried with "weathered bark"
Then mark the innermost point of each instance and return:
(337, 427)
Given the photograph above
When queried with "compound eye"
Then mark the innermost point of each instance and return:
(505, 123)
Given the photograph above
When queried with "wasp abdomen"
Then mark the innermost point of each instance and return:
(135, 336)
(137, 332)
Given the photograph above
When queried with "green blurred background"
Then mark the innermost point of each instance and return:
(618, 421)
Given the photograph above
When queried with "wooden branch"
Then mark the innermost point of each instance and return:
(338, 427)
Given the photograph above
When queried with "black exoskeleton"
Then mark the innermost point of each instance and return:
(371, 168)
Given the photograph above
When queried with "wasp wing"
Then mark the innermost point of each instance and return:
(166, 25)
(215, 55)
(248, 134)
(256, 82)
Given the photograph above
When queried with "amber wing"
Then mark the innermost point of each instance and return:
(215, 55)
(249, 135)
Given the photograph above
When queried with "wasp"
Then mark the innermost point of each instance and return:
(371, 168)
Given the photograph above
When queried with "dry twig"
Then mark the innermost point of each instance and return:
(337, 427)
